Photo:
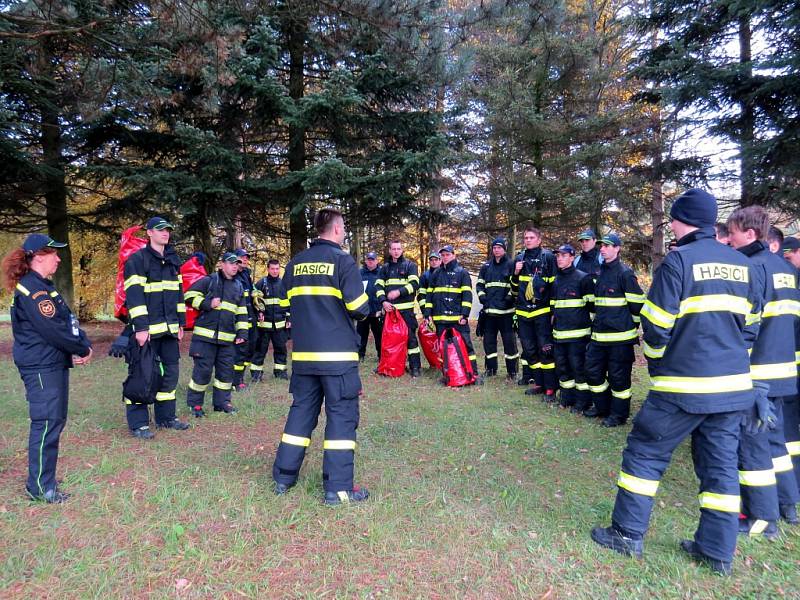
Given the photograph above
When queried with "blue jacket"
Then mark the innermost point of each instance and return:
(617, 302)
(538, 272)
(153, 292)
(402, 276)
(449, 297)
(325, 295)
(42, 324)
(368, 279)
(700, 317)
(276, 303)
(773, 358)
(573, 303)
(494, 286)
(223, 324)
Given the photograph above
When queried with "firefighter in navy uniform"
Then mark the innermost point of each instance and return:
(700, 316)
(532, 282)
(218, 329)
(157, 312)
(47, 343)
(397, 285)
(449, 301)
(435, 261)
(244, 352)
(325, 295)
(768, 485)
(610, 356)
(369, 275)
(791, 407)
(272, 322)
(590, 259)
(573, 302)
(494, 292)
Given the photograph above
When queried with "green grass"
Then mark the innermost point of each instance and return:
(480, 493)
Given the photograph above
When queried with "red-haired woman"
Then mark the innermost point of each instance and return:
(47, 342)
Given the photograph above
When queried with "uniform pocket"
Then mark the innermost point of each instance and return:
(351, 385)
(43, 393)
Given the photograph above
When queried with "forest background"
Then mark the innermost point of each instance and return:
(428, 121)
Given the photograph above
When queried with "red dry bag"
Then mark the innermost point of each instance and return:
(394, 345)
(191, 271)
(457, 369)
(128, 244)
(430, 345)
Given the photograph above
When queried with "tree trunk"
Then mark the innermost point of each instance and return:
(747, 134)
(298, 221)
(656, 194)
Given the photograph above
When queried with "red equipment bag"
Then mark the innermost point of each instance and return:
(430, 345)
(128, 244)
(456, 368)
(394, 345)
(191, 271)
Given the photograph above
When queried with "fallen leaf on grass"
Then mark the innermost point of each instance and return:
(547, 594)
(182, 584)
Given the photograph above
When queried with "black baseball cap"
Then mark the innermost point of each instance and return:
(565, 249)
(587, 234)
(37, 241)
(242, 252)
(230, 257)
(790, 244)
(158, 223)
(611, 239)
(447, 248)
(372, 256)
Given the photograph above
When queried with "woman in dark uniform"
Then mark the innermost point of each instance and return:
(47, 343)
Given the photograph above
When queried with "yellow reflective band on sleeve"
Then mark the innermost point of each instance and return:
(241, 310)
(635, 298)
(466, 304)
(498, 284)
(294, 440)
(181, 307)
(637, 485)
(156, 328)
(164, 396)
(524, 277)
(714, 303)
(797, 357)
(657, 315)
(24, 291)
(238, 367)
(242, 325)
(137, 311)
(652, 352)
(229, 306)
(466, 288)
(325, 356)
(570, 334)
(357, 303)
(452, 318)
(226, 337)
(720, 502)
(622, 395)
(603, 301)
(793, 448)
(702, 385)
(615, 336)
(757, 478)
(589, 298)
(403, 305)
(284, 303)
(161, 286)
(782, 464)
(135, 280)
(397, 281)
(197, 387)
(570, 303)
(779, 308)
(339, 445)
(409, 288)
(786, 370)
(314, 290)
(413, 277)
(221, 385)
(499, 311)
(204, 332)
(550, 279)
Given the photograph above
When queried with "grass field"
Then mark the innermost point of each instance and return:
(476, 493)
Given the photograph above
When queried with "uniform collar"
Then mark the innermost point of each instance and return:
(451, 265)
(611, 264)
(753, 248)
(38, 277)
(697, 234)
(502, 260)
(568, 270)
(400, 259)
(318, 241)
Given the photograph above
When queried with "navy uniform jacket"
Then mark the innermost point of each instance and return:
(700, 317)
(276, 303)
(494, 286)
(538, 272)
(245, 279)
(773, 358)
(589, 262)
(42, 326)
(449, 296)
(223, 324)
(617, 301)
(573, 303)
(153, 292)
(401, 275)
(369, 278)
(424, 283)
(325, 295)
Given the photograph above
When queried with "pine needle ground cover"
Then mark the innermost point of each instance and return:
(476, 493)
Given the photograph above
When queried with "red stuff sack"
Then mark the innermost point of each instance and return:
(191, 271)
(394, 345)
(456, 368)
(429, 342)
(128, 244)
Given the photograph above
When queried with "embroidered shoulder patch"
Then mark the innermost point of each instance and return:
(47, 308)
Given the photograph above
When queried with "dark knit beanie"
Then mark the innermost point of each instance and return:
(695, 207)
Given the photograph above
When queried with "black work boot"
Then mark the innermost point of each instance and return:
(490, 373)
(723, 567)
(143, 433)
(415, 372)
(789, 514)
(175, 423)
(280, 374)
(754, 527)
(256, 376)
(281, 488)
(227, 408)
(53, 496)
(609, 537)
(613, 421)
(346, 496)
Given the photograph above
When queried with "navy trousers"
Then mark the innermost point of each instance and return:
(608, 367)
(502, 324)
(278, 339)
(48, 395)
(571, 369)
(363, 328)
(208, 358)
(538, 365)
(340, 396)
(657, 430)
(138, 415)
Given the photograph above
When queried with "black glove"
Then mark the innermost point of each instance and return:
(481, 326)
(119, 349)
(762, 416)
